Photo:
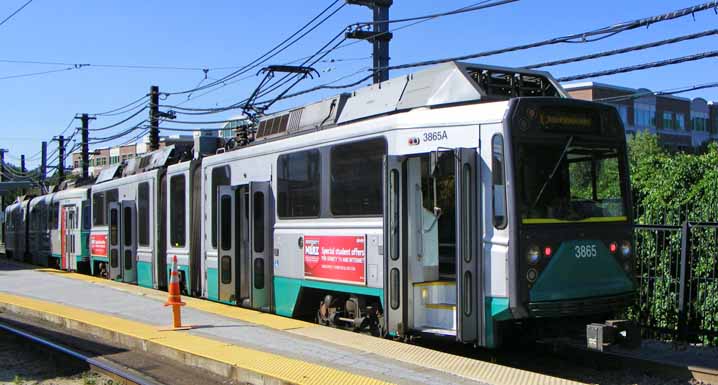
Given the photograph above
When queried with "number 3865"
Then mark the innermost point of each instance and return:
(585, 251)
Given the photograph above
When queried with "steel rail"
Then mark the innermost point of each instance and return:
(93, 362)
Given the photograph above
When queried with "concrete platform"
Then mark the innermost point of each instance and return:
(237, 343)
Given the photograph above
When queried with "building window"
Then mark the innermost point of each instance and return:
(680, 121)
(623, 113)
(298, 182)
(645, 115)
(699, 121)
(668, 120)
(220, 177)
(177, 211)
(143, 213)
(77, 164)
(356, 180)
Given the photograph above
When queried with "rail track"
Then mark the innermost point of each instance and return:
(118, 374)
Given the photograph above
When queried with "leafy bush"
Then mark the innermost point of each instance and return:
(670, 188)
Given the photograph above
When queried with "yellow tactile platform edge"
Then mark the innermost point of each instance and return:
(271, 365)
(444, 362)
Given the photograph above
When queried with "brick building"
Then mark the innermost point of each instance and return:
(680, 123)
(103, 157)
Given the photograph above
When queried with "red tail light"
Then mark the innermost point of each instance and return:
(613, 247)
(547, 251)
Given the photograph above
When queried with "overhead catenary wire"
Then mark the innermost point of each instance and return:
(422, 19)
(582, 37)
(118, 111)
(626, 49)
(470, 8)
(277, 49)
(5, 20)
(33, 74)
(120, 122)
(639, 67)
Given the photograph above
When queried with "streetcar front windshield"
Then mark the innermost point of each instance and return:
(569, 182)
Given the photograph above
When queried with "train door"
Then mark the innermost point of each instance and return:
(129, 241)
(260, 213)
(115, 248)
(227, 242)
(469, 282)
(245, 252)
(69, 236)
(395, 314)
(63, 238)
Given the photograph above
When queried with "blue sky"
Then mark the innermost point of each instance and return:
(224, 33)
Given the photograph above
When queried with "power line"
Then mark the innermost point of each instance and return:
(107, 65)
(120, 122)
(32, 74)
(128, 105)
(583, 37)
(639, 67)
(471, 8)
(626, 49)
(286, 43)
(15, 13)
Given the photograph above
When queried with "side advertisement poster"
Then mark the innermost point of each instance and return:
(335, 258)
(98, 245)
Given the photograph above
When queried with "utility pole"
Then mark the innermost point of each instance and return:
(22, 170)
(43, 164)
(85, 145)
(60, 159)
(2, 175)
(379, 35)
(154, 118)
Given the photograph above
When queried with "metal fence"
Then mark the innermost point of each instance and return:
(677, 274)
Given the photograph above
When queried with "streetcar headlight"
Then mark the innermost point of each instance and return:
(625, 248)
(533, 255)
(531, 275)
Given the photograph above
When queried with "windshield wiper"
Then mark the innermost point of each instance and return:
(555, 169)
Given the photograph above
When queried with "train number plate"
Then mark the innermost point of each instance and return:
(585, 251)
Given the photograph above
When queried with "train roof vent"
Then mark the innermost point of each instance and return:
(108, 173)
(506, 83)
(273, 125)
(149, 161)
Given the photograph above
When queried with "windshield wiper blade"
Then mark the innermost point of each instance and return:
(555, 169)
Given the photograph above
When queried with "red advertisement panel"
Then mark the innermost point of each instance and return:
(335, 258)
(98, 244)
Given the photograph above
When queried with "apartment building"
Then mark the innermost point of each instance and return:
(680, 123)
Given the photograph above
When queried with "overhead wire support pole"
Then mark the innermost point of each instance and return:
(154, 118)
(2, 175)
(379, 36)
(43, 164)
(60, 158)
(85, 145)
(22, 169)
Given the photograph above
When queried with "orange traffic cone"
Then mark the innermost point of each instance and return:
(174, 299)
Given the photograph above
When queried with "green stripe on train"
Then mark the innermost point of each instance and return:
(286, 291)
(144, 274)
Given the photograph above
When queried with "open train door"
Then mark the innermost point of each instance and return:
(261, 213)
(469, 277)
(228, 264)
(395, 314)
(115, 249)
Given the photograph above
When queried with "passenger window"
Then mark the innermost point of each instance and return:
(127, 225)
(298, 181)
(86, 215)
(220, 177)
(177, 211)
(98, 213)
(259, 273)
(225, 208)
(226, 270)
(356, 178)
(258, 222)
(143, 213)
(498, 182)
